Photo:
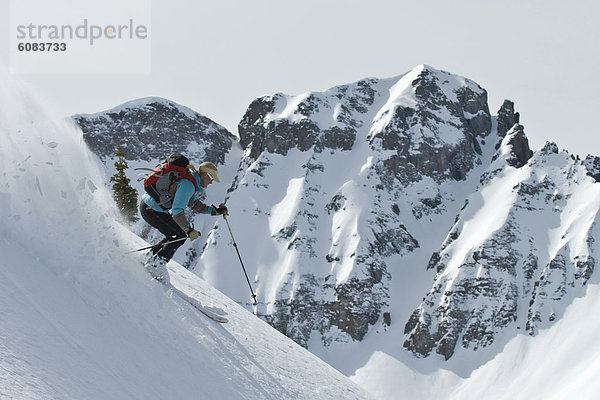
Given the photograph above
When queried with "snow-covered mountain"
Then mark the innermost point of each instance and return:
(407, 236)
(522, 248)
(80, 319)
(400, 211)
(341, 183)
(346, 183)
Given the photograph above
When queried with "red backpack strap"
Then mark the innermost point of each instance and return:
(166, 167)
(154, 175)
(183, 173)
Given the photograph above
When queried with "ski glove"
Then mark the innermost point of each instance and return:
(221, 210)
(192, 233)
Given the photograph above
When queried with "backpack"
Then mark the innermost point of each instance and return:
(160, 183)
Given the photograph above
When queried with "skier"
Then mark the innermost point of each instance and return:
(169, 216)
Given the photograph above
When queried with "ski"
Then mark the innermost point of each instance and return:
(210, 314)
(157, 271)
(214, 313)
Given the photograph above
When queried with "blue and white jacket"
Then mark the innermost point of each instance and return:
(185, 196)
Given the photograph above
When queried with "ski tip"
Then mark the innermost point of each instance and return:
(210, 313)
(217, 318)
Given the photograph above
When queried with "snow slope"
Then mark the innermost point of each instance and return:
(80, 319)
(561, 362)
(148, 130)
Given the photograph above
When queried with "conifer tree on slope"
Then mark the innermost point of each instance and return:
(125, 196)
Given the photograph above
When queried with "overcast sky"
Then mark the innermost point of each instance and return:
(217, 56)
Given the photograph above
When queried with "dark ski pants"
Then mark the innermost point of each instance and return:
(167, 226)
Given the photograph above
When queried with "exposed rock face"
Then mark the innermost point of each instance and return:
(520, 147)
(436, 135)
(507, 278)
(417, 134)
(592, 164)
(507, 117)
(508, 123)
(517, 145)
(152, 128)
(265, 128)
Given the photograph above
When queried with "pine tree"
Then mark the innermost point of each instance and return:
(125, 196)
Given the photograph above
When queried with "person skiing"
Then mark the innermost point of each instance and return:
(164, 210)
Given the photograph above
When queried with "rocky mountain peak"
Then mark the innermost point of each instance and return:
(592, 163)
(515, 147)
(507, 117)
(463, 98)
(520, 147)
(151, 128)
(432, 119)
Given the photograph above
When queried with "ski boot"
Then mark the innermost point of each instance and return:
(157, 267)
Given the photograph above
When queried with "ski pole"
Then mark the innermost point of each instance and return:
(163, 245)
(241, 262)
